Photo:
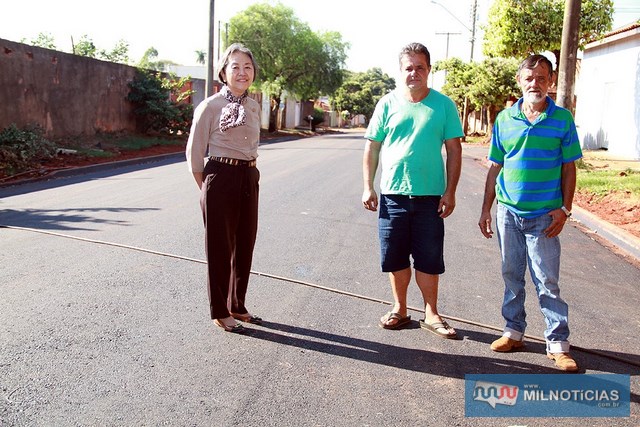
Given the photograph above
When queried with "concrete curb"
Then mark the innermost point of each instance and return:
(615, 235)
(61, 173)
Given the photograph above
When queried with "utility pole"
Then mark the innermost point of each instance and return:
(568, 54)
(472, 30)
(447, 34)
(465, 108)
(210, 66)
(219, 37)
(474, 13)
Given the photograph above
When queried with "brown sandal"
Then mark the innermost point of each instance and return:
(433, 327)
(399, 321)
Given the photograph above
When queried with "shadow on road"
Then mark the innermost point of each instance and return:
(424, 361)
(447, 365)
(62, 219)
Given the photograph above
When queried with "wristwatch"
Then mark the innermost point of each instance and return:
(566, 211)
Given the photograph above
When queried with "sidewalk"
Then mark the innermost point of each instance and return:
(620, 239)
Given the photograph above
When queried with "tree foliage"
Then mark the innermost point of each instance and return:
(518, 28)
(290, 55)
(85, 47)
(150, 61)
(360, 92)
(493, 83)
(119, 53)
(489, 84)
(158, 100)
(201, 57)
(22, 149)
(45, 40)
(459, 77)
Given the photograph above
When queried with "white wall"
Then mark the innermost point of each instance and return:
(608, 95)
(293, 112)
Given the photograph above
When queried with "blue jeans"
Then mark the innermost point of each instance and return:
(522, 241)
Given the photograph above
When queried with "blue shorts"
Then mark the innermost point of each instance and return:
(411, 226)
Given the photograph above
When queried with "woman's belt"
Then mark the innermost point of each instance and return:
(234, 162)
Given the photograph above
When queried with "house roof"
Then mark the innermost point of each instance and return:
(615, 35)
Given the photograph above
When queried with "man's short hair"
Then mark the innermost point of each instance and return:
(533, 61)
(415, 48)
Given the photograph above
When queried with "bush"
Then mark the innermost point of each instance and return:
(151, 93)
(316, 118)
(23, 149)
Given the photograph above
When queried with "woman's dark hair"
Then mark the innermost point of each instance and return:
(224, 60)
(415, 48)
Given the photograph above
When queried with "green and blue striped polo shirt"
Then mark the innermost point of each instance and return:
(531, 156)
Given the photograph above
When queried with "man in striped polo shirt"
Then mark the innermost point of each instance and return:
(533, 175)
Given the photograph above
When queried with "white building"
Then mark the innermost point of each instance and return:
(608, 94)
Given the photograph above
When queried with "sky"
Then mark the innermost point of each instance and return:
(376, 30)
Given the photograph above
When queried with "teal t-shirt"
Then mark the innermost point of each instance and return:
(532, 155)
(412, 136)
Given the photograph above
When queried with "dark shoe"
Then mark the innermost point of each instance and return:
(247, 318)
(393, 320)
(504, 344)
(235, 329)
(564, 361)
(436, 328)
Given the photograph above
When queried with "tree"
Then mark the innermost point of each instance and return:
(86, 47)
(458, 79)
(489, 84)
(493, 84)
(159, 102)
(45, 40)
(119, 53)
(518, 28)
(150, 61)
(360, 92)
(289, 54)
(201, 57)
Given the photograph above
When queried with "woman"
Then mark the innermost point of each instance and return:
(227, 127)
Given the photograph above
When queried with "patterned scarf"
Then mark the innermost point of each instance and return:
(233, 114)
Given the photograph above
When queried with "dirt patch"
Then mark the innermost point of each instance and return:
(617, 209)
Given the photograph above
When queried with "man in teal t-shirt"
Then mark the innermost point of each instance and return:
(533, 175)
(405, 135)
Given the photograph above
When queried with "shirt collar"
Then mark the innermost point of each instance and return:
(516, 111)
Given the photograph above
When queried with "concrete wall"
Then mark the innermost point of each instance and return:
(67, 95)
(608, 95)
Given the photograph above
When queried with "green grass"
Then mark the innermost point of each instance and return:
(140, 142)
(475, 139)
(94, 152)
(603, 182)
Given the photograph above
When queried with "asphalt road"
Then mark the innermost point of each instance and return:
(104, 316)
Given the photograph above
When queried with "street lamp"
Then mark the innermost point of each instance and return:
(473, 26)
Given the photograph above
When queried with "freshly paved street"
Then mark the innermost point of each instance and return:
(104, 317)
